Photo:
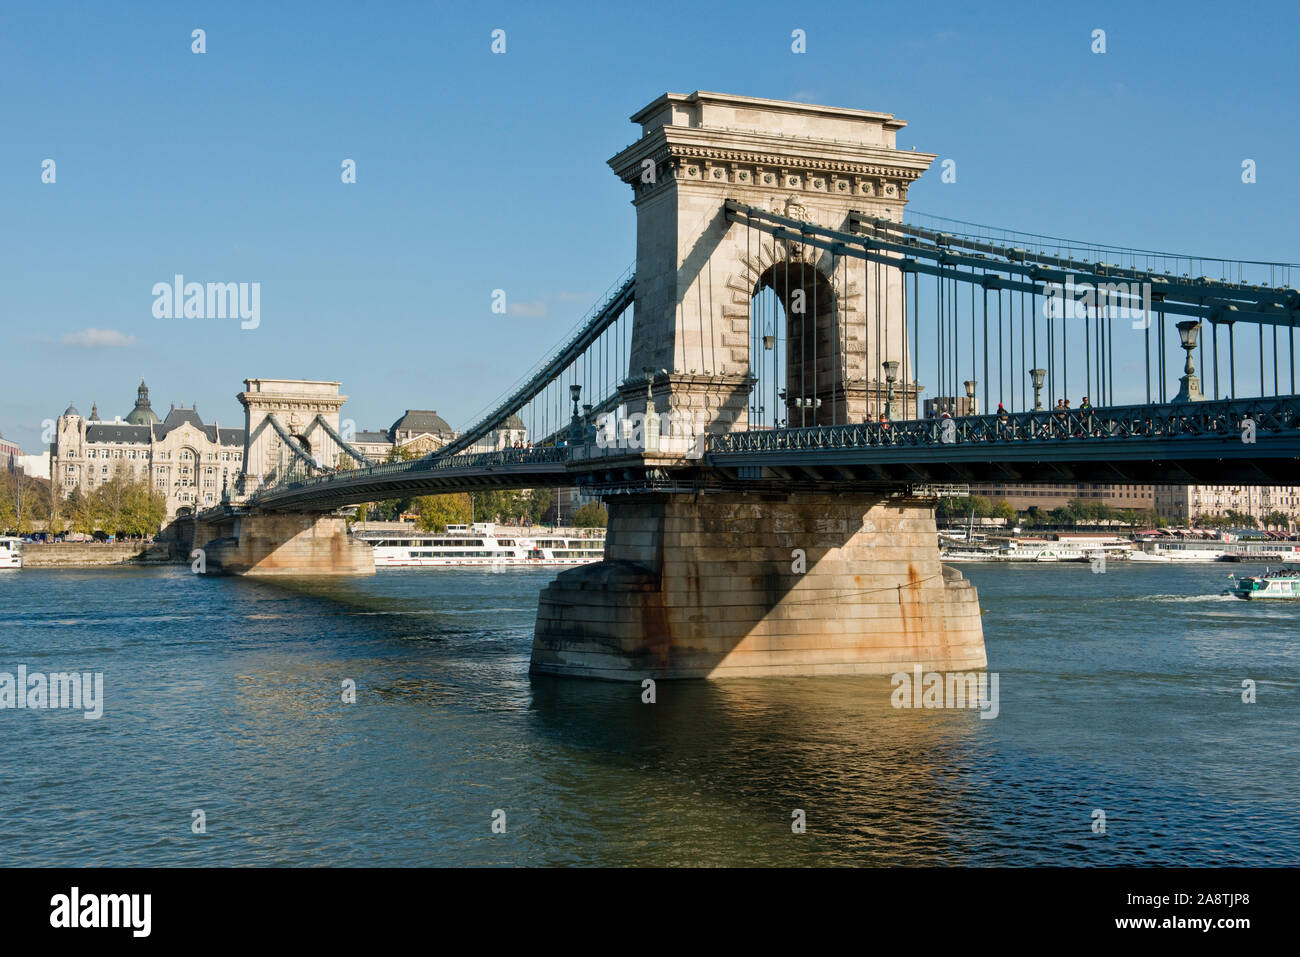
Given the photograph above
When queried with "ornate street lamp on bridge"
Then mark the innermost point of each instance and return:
(575, 430)
(1037, 376)
(891, 376)
(1190, 388)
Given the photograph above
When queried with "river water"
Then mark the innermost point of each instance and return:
(1118, 692)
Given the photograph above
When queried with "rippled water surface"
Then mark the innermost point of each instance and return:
(1119, 692)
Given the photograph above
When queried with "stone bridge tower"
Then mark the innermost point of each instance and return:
(696, 273)
(236, 538)
(295, 403)
(726, 581)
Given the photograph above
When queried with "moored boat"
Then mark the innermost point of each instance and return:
(1177, 550)
(11, 552)
(483, 545)
(968, 553)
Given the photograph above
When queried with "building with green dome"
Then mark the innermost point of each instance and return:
(143, 413)
(181, 456)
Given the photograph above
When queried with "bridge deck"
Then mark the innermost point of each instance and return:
(1242, 442)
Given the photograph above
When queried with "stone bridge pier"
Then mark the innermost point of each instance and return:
(238, 540)
(748, 584)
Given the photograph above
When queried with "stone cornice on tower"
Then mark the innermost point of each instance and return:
(719, 140)
(273, 395)
(706, 105)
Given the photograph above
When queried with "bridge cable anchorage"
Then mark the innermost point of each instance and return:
(570, 352)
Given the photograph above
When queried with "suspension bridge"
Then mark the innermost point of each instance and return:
(791, 364)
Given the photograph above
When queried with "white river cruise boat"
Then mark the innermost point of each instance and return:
(968, 553)
(1281, 584)
(11, 552)
(482, 545)
(1062, 549)
(1234, 550)
(1262, 551)
(1173, 550)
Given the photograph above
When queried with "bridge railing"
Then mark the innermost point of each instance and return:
(474, 460)
(1239, 420)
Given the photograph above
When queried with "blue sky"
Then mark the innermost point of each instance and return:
(478, 171)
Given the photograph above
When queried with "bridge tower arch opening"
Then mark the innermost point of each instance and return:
(796, 346)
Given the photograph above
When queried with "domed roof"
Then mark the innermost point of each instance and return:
(71, 410)
(421, 420)
(138, 416)
(142, 414)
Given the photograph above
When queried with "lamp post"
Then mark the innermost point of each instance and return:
(1037, 376)
(575, 431)
(970, 385)
(891, 376)
(1189, 389)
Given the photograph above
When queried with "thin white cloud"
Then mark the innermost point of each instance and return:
(528, 310)
(97, 339)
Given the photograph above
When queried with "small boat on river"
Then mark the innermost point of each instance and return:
(1272, 584)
